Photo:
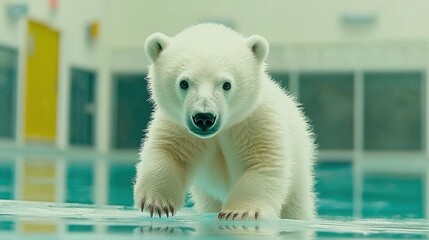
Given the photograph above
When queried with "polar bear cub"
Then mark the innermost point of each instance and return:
(223, 129)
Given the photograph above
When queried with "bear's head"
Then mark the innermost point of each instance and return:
(207, 78)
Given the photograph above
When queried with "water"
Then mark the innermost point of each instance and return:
(352, 204)
(59, 221)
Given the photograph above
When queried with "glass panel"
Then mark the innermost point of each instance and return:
(80, 183)
(334, 199)
(384, 196)
(133, 110)
(282, 78)
(7, 179)
(121, 179)
(393, 111)
(328, 103)
(8, 66)
(82, 108)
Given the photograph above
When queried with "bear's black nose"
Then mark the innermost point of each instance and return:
(204, 120)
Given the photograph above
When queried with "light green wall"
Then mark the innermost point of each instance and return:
(278, 20)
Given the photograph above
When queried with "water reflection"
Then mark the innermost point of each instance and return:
(161, 229)
(365, 187)
(56, 221)
(229, 230)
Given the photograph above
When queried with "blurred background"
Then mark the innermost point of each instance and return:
(73, 98)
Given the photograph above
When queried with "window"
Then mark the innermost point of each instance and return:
(82, 108)
(328, 103)
(393, 111)
(8, 70)
(282, 78)
(132, 110)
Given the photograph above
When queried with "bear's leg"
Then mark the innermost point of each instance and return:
(299, 205)
(257, 194)
(160, 186)
(205, 203)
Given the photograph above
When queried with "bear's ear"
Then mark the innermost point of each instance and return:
(259, 47)
(154, 45)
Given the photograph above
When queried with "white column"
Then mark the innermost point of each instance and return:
(103, 101)
(63, 90)
(358, 139)
(60, 179)
(19, 177)
(101, 181)
(61, 189)
(20, 84)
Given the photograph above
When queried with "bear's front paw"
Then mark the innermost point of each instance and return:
(157, 206)
(153, 195)
(238, 215)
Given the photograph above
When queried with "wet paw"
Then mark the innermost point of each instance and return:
(238, 215)
(157, 207)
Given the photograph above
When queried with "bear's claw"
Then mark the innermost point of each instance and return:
(142, 205)
(153, 208)
(233, 215)
(166, 211)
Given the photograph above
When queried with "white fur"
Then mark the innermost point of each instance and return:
(261, 158)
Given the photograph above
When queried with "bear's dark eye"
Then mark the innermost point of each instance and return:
(184, 84)
(226, 86)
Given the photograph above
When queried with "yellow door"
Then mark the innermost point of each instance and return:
(41, 83)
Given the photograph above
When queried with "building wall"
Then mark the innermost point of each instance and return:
(278, 20)
(387, 36)
(305, 36)
(71, 20)
(302, 34)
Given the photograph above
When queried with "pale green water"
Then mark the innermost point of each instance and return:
(79, 221)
